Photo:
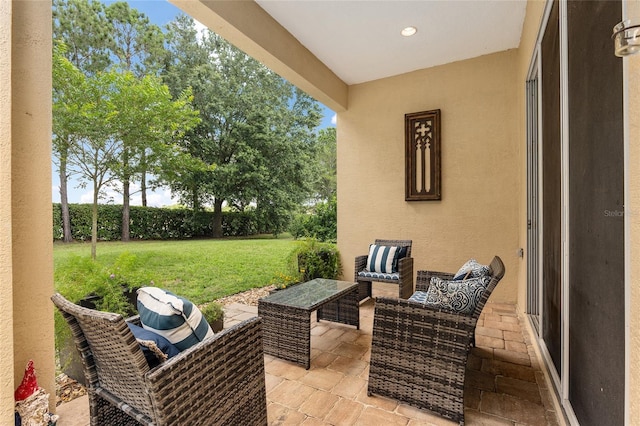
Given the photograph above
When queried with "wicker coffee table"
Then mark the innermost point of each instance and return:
(286, 315)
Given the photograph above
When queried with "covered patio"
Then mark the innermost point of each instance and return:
(572, 286)
(505, 384)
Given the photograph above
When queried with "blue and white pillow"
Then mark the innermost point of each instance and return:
(156, 349)
(457, 296)
(471, 269)
(173, 317)
(382, 259)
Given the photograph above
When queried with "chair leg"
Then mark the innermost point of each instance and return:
(364, 290)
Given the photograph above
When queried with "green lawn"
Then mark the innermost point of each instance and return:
(200, 270)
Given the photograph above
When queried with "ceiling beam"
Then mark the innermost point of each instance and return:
(247, 26)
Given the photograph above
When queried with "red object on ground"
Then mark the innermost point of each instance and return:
(29, 384)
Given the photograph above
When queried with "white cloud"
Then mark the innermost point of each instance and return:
(334, 119)
(201, 30)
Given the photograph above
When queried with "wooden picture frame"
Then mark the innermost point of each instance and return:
(422, 156)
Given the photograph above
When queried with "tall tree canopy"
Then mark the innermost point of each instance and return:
(81, 27)
(256, 128)
(224, 129)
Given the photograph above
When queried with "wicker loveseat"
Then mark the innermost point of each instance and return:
(219, 381)
(403, 278)
(419, 354)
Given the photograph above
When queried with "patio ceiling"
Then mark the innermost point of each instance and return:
(360, 40)
(325, 46)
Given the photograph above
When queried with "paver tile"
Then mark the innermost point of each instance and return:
(348, 366)
(290, 393)
(349, 387)
(375, 416)
(322, 379)
(319, 404)
(344, 412)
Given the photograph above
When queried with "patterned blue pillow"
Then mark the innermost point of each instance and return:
(471, 269)
(458, 296)
(175, 318)
(382, 259)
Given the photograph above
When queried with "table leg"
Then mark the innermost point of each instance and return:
(286, 332)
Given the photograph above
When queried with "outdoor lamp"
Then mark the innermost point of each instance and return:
(626, 37)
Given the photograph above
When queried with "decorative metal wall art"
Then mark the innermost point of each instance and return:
(422, 155)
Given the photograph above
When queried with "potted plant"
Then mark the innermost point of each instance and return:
(93, 285)
(214, 314)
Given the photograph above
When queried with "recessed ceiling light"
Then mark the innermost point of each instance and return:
(409, 31)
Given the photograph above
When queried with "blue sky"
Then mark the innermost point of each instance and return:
(160, 13)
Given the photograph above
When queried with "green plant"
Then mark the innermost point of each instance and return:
(311, 259)
(212, 312)
(282, 280)
(321, 225)
(79, 278)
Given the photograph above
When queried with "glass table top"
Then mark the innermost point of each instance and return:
(310, 294)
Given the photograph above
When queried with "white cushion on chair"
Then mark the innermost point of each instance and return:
(175, 318)
(382, 259)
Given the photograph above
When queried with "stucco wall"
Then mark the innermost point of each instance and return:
(6, 326)
(30, 201)
(478, 214)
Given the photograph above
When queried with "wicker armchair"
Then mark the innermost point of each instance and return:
(219, 381)
(419, 355)
(404, 279)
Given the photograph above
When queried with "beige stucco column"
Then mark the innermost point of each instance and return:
(26, 257)
(633, 216)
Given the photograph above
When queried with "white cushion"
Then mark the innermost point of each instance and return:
(382, 259)
(173, 317)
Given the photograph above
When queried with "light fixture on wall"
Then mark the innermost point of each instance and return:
(626, 37)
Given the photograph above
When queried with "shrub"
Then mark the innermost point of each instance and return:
(213, 312)
(322, 225)
(310, 259)
(107, 285)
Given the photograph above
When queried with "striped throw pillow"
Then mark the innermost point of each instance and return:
(173, 317)
(382, 259)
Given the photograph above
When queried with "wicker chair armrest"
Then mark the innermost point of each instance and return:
(226, 371)
(361, 262)
(405, 268)
(135, 320)
(423, 278)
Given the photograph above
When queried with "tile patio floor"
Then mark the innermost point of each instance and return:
(504, 383)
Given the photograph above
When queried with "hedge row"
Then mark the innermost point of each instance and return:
(151, 223)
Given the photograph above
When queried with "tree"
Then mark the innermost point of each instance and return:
(138, 47)
(94, 154)
(326, 185)
(256, 129)
(81, 27)
(137, 44)
(145, 120)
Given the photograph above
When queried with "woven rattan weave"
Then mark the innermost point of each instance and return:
(220, 381)
(405, 271)
(286, 315)
(419, 354)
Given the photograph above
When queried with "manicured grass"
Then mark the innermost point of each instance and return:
(200, 270)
